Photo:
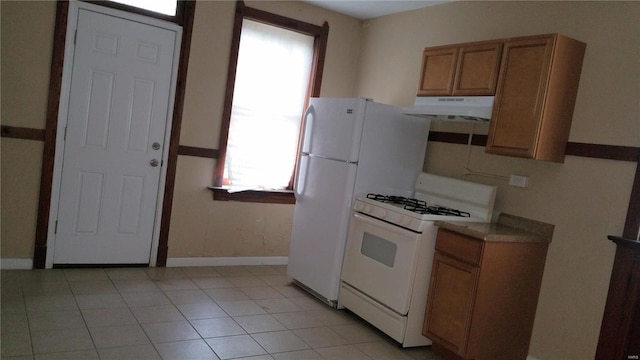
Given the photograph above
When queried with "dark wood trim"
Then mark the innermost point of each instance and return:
(136, 10)
(198, 152)
(625, 242)
(255, 196)
(172, 161)
(320, 52)
(23, 133)
(218, 173)
(610, 152)
(619, 328)
(598, 151)
(457, 138)
(281, 21)
(46, 175)
(632, 222)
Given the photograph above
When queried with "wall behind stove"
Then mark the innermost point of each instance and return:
(584, 198)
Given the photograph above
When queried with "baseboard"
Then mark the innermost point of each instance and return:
(16, 264)
(227, 261)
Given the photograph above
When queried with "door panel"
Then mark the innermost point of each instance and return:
(452, 289)
(130, 204)
(119, 102)
(97, 119)
(140, 120)
(89, 200)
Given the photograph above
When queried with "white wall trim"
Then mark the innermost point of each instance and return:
(16, 264)
(227, 261)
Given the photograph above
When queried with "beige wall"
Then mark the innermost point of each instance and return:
(586, 199)
(201, 227)
(26, 45)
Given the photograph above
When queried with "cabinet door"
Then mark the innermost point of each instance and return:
(438, 71)
(520, 96)
(477, 72)
(450, 302)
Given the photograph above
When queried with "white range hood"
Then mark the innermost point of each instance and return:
(452, 108)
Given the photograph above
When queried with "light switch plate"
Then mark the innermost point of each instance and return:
(519, 181)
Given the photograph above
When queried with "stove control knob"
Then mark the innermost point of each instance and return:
(367, 209)
(359, 206)
(382, 214)
(406, 221)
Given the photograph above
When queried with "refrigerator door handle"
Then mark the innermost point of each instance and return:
(331, 159)
(301, 175)
(307, 129)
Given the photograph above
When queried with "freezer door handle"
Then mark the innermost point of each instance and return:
(330, 159)
(301, 175)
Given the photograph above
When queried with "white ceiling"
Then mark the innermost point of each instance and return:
(368, 9)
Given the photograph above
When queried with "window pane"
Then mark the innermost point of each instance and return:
(272, 77)
(167, 7)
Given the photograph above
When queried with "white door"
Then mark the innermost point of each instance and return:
(120, 100)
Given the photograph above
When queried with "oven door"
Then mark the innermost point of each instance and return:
(380, 260)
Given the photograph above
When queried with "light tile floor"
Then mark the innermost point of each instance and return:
(234, 312)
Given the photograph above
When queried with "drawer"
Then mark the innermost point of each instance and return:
(459, 246)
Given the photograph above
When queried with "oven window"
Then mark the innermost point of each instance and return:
(378, 249)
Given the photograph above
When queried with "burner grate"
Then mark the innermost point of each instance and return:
(418, 206)
(438, 210)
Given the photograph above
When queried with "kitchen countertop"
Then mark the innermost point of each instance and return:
(508, 228)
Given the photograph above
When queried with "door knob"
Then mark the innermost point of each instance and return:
(155, 146)
(154, 163)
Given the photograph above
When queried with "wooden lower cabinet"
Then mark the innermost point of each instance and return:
(450, 311)
(483, 297)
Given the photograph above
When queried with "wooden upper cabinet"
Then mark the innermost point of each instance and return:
(438, 71)
(460, 70)
(477, 72)
(535, 97)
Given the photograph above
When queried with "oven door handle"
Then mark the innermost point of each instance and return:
(387, 226)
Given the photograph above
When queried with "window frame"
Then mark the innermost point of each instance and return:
(320, 35)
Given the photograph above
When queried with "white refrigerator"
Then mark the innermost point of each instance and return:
(349, 147)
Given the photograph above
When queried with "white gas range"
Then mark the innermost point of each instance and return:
(390, 247)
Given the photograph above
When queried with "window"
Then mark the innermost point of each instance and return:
(269, 96)
(275, 66)
(167, 7)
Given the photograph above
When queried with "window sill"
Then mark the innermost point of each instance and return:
(256, 196)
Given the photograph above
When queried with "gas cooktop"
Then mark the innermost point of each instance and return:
(418, 206)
